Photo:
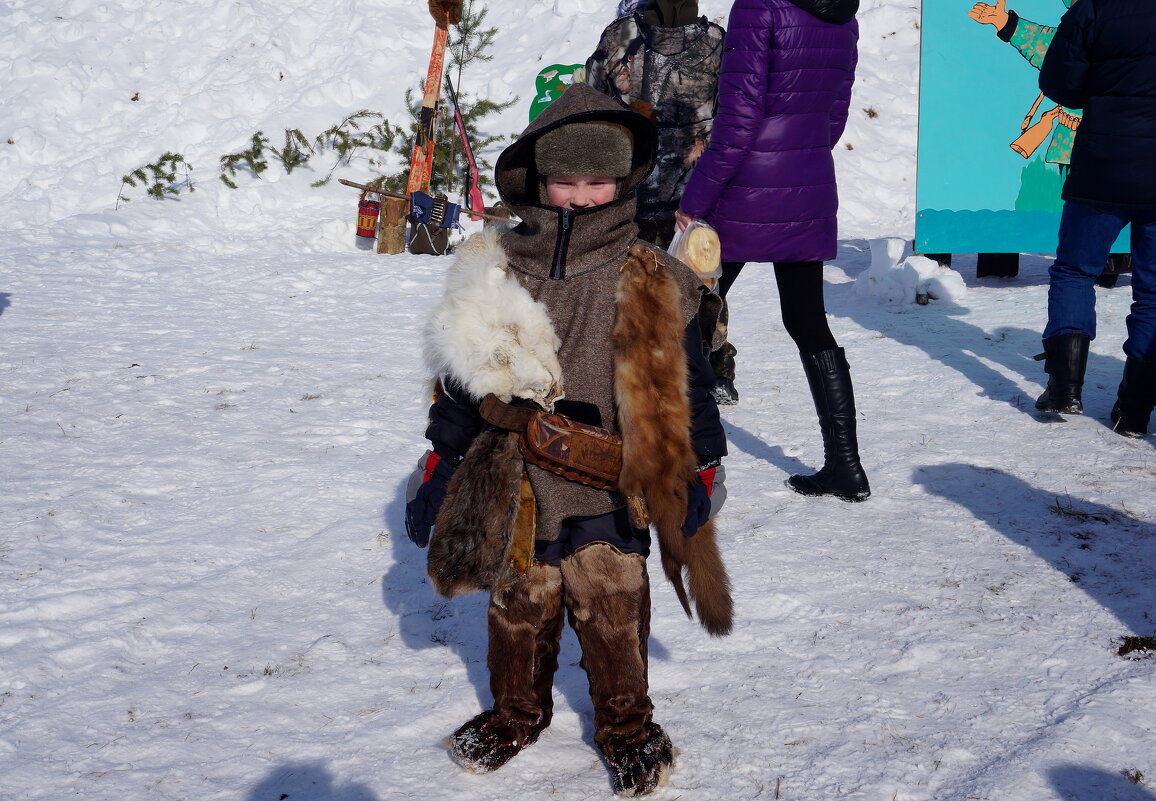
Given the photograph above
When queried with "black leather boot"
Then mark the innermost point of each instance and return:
(1065, 359)
(1135, 398)
(842, 475)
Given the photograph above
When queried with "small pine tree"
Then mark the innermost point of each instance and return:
(296, 152)
(346, 138)
(160, 177)
(251, 158)
(470, 42)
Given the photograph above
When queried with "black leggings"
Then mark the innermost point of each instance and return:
(800, 298)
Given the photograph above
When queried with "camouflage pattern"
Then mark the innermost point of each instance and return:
(669, 75)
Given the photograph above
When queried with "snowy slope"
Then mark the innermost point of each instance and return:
(94, 92)
(209, 407)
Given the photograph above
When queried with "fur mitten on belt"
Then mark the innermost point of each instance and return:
(704, 497)
(424, 495)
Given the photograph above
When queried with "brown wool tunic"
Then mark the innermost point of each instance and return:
(573, 271)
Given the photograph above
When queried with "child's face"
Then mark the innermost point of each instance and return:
(580, 191)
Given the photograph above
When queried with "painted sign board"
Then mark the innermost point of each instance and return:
(551, 82)
(993, 151)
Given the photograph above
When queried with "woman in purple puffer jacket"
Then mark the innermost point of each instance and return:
(767, 184)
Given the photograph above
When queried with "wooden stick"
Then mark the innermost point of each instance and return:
(399, 195)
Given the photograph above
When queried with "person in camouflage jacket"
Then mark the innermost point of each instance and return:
(663, 62)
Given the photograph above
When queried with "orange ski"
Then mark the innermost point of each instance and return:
(445, 13)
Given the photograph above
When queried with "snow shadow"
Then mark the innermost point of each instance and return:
(751, 445)
(1080, 783)
(307, 781)
(5, 301)
(1106, 553)
(945, 336)
(942, 331)
(426, 620)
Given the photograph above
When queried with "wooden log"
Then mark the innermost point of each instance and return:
(391, 226)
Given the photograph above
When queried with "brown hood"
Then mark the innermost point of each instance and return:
(579, 240)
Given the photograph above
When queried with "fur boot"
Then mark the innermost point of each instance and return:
(842, 475)
(1135, 398)
(640, 764)
(1066, 358)
(608, 596)
(524, 636)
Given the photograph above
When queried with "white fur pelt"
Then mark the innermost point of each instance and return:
(489, 333)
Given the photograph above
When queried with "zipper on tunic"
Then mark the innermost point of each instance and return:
(561, 245)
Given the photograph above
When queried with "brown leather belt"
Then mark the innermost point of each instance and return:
(504, 415)
(578, 452)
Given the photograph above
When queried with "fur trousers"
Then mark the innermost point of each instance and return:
(607, 595)
(525, 632)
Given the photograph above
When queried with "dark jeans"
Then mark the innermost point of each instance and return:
(613, 528)
(1086, 235)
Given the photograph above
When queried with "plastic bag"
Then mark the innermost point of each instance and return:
(698, 247)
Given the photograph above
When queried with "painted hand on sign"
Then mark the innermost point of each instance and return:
(990, 15)
(993, 152)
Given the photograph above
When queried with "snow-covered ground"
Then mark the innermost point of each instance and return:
(209, 406)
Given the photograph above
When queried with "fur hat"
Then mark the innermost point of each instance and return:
(585, 148)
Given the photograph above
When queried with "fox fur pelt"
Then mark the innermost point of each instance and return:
(489, 333)
(491, 336)
(650, 389)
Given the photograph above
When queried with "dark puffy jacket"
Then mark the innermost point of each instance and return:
(668, 75)
(1103, 60)
(767, 179)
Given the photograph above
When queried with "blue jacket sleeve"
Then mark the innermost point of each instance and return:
(454, 421)
(1064, 73)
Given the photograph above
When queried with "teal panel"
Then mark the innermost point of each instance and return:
(992, 152)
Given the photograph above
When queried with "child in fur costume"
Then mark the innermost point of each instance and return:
(569, 312)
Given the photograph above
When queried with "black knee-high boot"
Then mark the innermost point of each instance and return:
(1066, 359)
(1135, 398)
(842, 475)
